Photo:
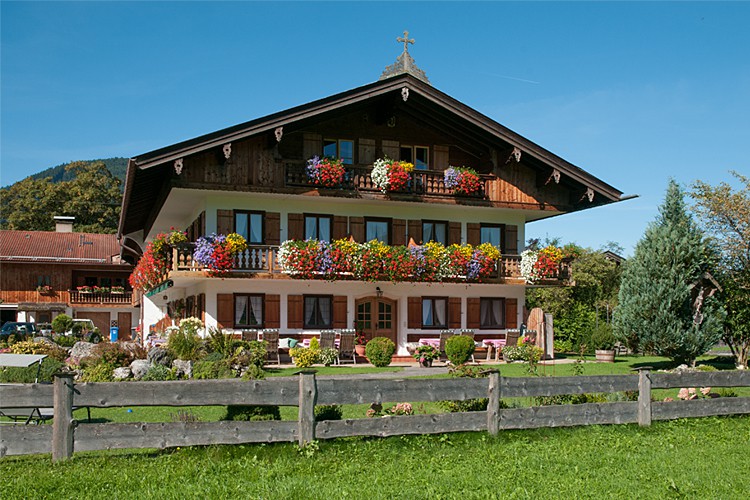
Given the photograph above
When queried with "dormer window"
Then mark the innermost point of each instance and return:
(339, 148)
(418, 155)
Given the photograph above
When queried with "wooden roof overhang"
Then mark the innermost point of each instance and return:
(148, 178)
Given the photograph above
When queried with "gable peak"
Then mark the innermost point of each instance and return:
(404, 63)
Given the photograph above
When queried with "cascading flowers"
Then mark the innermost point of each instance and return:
(545, 263)
(154, 264)
(391, 175)
(216, 252)
(326, 172)
(462, 180)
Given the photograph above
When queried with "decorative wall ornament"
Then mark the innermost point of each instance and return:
(515, 155)
(392, 121)
(178, 166)
(278, 133)
(555, 176)
(405, 93)
(227, 150)
(589, 194)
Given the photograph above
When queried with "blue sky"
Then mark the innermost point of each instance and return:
(634, 93)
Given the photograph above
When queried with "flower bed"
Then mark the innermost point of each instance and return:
(391, 175)
(326, 172)
(375, 261)
(462, 180)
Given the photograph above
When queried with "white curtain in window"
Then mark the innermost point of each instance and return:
(325, 310)
(440, 312)
(256, 310)
(240, 310)
(427, 312)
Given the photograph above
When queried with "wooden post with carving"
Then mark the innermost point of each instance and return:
(493, 405)
(63, 423)
(308, 395)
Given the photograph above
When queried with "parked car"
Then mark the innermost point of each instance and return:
(12, 327)
(45, 329)
(81, 327)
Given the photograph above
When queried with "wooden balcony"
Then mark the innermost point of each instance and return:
(78, 297)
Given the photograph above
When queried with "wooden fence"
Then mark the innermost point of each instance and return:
(66, 434)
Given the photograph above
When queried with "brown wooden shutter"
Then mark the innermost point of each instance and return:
(271, 221)
(339, 311)
(225, 310)
(398, 232)
(510, 240)
(224, 221)
(454, 233)
(339, 227)
(511, 313)
(202, 306)
(294, 311)
(296, 227)
(440, 157)
(357, 228)
(454, 312)
(366, 151)
(473, 233)
(272, 311)
(415, 231)
(312, 144)
(473, 310)
(414, 312)
(391, 149)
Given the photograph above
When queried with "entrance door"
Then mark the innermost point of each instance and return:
(376, 317)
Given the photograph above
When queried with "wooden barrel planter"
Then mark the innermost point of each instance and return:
(605, 355)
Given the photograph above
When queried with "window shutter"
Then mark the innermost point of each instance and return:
(454, 312)
(391, 149)
(510, 240)
(339, 311)
(312, 145)
(414, 312)
(454, 233)
(511, 313)
(294, 311)
(272, 311)
(271, 223)
(224, 221)
(357, 228)
(473, 233)
(296, 227)
(398, 232)
(366, 151)
(473, 310)
(202, 306)
(225, 310)
(415, 231)
(339, 227)
(440, 157)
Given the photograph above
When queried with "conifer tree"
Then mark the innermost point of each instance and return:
(664, 305)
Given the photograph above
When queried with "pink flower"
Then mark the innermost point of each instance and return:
(683, 394)
(691, 391)
(705, 390)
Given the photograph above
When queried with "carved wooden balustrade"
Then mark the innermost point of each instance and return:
(78, 297)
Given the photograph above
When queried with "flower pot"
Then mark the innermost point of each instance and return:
(605, 355)
(425, 363)
(360, 350)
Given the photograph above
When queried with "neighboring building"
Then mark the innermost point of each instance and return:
(46, 273)
(251, 178)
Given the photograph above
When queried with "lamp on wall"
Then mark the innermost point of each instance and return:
(378, 292)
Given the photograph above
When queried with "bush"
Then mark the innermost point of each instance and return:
(94, 336)
(28, 375)
(602, 337)
(212, 369)
(246, 413)
(459, 349)
(99, 372)
(220, 342)
(62, 323)
(64, 340)
(113, 354)
(212, 357)
(304, 357)
(31, 347)
(252, 353)
(328, 412)
(480, 404)
(380, 351)
(184, 345)
(254, 372)
(328, 356)
(158, 373)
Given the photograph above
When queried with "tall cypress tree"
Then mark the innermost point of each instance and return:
(664, 305)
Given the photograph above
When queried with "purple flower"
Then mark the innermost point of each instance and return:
(313, 168)
(450, 177)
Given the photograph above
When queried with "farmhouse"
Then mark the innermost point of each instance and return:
(46, 273)
(400, 173)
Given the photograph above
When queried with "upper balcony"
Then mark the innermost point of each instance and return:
(101, 298)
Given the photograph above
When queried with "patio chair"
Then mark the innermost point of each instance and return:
(248, 335)
(511, 338)
(444, 336)
(327, 339)
(272, 344)
(346, 346)
(470, 334)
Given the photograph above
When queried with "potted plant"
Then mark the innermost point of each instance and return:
(44, 289)
(359, 347)
(462, 180)
(118, 289)
(326, 172)
(603, 341)
(391, 175)
(85, 289)
(426, 354)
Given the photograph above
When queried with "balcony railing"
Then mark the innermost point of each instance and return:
(423, 183)
(78, 297)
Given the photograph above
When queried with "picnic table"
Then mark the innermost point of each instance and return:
(24, 415)
(430, 341)
(496, 344)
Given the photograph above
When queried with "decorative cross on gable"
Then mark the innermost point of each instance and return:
(405, 40)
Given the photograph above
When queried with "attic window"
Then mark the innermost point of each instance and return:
(339, 148)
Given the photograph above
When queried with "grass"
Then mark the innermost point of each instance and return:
(666, 460)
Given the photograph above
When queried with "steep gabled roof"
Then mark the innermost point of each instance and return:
(56, 247)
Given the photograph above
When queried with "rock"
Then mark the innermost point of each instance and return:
(122, 373)
(44, 340)
(682, 368)
(82, 350)
(134, 349)
(139, 367)
(159, 356)
(183, 368)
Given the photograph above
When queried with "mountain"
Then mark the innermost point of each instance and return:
(117, 166)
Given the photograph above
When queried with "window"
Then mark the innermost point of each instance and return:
(318, 227)
(490, 233)
(43, 280)
(378, 229)
(105, 282)
(435, 231)
(248, 310)
(491, 313)
(250, 226)
(418, 155)
(341, 148)
(434, 312)
(317, 311)
(90, 281)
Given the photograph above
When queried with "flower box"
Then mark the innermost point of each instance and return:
(325, 172)
(462, 181)
(391, 175)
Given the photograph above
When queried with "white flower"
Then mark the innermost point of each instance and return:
(379, 174)
(528, 259)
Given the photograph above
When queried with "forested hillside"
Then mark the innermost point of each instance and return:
(116, 166)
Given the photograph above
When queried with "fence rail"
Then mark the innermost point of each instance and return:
(67, 435)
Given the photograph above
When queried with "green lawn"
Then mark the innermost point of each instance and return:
(701, 458)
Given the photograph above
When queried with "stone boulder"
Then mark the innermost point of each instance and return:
(160, 356)
(122, 373)
(44, 340)
(81, 350)
(139, 368)
(183, 369)
(134, 349)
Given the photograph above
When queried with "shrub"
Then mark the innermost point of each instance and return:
(62, 323)
(479, 404)
(247, 413)
(328, 356)
(99, 372)
(459, 349)
(94, 336)
(254, 372)
(64, 340)
(31, 347)
(380, 351)
(252, 353)
(220, 342)
(28, 375)
(212, 357)
(159, 373)
(602, 337)
(113, 354)
(184, 345)
(212, 369)
(304, 357)
(328, 412)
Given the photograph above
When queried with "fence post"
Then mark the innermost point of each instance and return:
(493, 405)
(308, 395)
(644, 396)
(63, 423)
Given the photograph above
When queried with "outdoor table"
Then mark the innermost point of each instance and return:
(497, 344)
(430, 341)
